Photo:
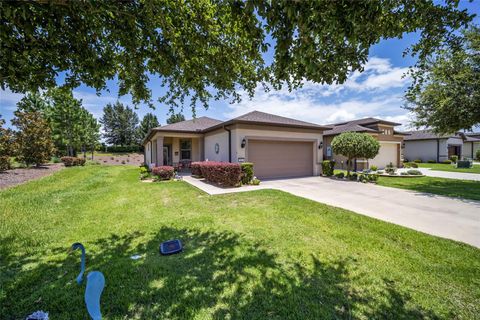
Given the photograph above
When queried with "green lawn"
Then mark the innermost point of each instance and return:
(254, 255)
(466, 189)
(449, 167)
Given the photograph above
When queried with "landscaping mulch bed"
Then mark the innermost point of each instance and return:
(14, 177)
(134, 159)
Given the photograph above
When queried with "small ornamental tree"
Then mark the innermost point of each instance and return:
(355, 145)
(7, 146)
(34, 138)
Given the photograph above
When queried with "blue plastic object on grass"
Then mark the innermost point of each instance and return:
(171, 247)
(95, 285)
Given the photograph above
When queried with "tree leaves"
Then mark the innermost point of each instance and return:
(119, 125)
(203, 49)
(445, 94)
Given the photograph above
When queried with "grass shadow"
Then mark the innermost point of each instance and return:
(219, 275)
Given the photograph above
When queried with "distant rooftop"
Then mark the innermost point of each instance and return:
(428, 135)
(359, 125)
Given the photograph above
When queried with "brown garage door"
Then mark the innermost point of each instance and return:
(281, 159)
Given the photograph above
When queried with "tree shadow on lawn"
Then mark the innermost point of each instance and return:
(219, 274)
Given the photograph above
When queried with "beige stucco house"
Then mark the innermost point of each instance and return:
(384, 131)
(279, 147)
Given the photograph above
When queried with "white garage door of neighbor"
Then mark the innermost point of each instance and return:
(281, 159)
(388, 153)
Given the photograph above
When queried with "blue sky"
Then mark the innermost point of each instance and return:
(377, 92)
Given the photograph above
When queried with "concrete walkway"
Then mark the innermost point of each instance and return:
(448, 174)
(446, 217)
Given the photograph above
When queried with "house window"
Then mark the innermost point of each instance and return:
(185, 149)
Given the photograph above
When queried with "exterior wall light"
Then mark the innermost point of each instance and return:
(244, 143)
(320, 145)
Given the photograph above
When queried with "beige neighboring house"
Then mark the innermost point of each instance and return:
(426, 145)
(384, 131)
(279, 147)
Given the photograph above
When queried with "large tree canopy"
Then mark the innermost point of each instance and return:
(205, 49)
(120, 125)
(149, 121)
(445, 94)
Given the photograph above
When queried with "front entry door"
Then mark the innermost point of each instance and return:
(167, 155)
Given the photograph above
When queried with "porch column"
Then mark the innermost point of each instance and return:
(201, 146)
(159, 151)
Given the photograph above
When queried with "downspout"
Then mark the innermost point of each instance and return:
(438, 150)
(229, 143)
(472, 149)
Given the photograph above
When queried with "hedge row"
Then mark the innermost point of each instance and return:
(123, 149)
(223, 173)
(164, 172)
(72, 161)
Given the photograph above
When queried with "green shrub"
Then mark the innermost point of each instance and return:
(417, 160)
(407, 165)
(255, 181)
(372, 177)
(477, 155)
(55, 160)
(390, 169)
(328, 167)
(464, 164)
(454, 158)
(373, 168)
(144, 174)
(414, 172)
(247, 172)
(340, 175)
(403, 173)
(447, 161)
(4, 163)
(123, 149)
(353, 176)
(432, 161)
(413, 165)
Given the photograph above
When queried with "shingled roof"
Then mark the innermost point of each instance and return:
(428, 135)
(425, 135)
(258, 117)
(194, 125)
(359, 125)
(205, 124)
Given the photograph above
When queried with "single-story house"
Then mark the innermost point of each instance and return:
(384, 131)
(471, 145)
(426, 145)
(279, 147)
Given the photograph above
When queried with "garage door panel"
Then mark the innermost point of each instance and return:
(281, 159)
(388, 153)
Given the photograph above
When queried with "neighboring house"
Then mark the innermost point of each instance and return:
(279, 147)
(471, 145)
(384, 131)
(426, 145)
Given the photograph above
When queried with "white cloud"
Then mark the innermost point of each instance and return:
(8, 100)
(378, 92)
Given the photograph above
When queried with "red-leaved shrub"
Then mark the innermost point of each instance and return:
(72, 161)
(195, 168)
(164, 172)
(223, 173)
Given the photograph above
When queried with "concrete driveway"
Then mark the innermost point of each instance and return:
(436, 215)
